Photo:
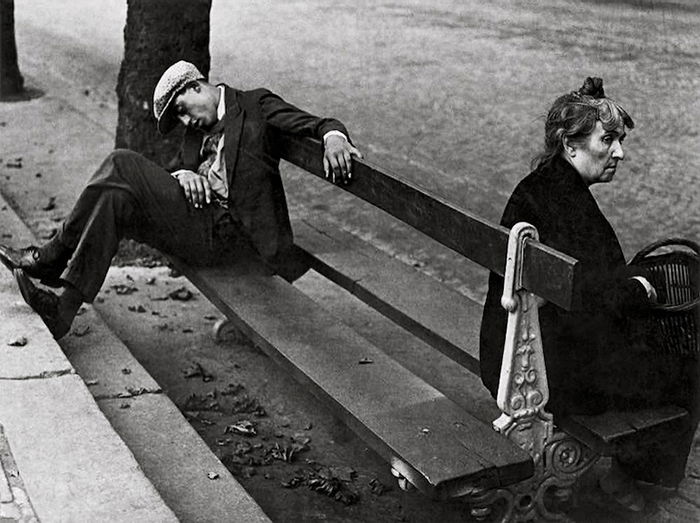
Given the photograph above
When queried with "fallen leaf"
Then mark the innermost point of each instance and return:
(343, 473)
(51, 204)
(19, 341)
(196, 370)
(121, 288)
(81, 331)
(243, 427)
(137, 308)
(181, 294)
(377, 487)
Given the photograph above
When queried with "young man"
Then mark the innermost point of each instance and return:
(223, 200)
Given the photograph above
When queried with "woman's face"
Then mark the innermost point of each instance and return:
(596, 158)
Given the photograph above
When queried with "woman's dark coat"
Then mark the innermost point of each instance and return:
(577, 344)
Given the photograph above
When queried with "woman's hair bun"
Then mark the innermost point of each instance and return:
(593, 86)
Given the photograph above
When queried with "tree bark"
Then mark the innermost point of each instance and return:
(11, 81)
(158, 33)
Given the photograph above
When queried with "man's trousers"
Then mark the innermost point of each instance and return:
(131, 197)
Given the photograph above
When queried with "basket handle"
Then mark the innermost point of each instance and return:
(662, 243)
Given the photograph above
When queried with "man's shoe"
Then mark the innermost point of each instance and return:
(44, 303)
(29, 260)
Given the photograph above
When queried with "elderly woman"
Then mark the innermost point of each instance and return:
(594, 363)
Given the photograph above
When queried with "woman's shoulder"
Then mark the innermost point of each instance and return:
(549, 179)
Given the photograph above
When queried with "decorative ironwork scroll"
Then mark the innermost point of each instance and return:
(522, 396)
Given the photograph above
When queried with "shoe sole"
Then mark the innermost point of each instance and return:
(24, 284)
(49, 281)
(25, 288)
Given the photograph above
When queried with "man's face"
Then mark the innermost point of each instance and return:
(596, 158)
(195, 107)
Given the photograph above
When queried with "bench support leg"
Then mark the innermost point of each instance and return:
(522, 391)
(547, 494)
(522, 396)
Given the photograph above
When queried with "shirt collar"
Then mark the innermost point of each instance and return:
(221, 109)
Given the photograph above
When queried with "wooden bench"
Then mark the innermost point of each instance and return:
(527, 466)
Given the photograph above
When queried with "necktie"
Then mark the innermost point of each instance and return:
(208, 153)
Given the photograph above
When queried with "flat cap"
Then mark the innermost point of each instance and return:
(173, 80)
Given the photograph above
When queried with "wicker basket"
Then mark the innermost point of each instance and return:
(675, 274)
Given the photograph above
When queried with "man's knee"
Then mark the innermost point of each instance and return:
(123, 167)
(118, 156)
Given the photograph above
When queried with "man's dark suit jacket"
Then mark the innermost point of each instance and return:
(577, 344)
(253, 123)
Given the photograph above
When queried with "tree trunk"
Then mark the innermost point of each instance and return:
(158, 33)
(11, 81)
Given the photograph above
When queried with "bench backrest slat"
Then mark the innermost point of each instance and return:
(548, 273)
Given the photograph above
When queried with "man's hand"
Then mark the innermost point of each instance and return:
(337, 159)
(196, 187)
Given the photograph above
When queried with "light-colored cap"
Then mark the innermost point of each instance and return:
(173, 80)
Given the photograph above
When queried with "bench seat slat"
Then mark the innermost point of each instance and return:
(448, 323)
(382, 401)
(602, 431)
(439, 315)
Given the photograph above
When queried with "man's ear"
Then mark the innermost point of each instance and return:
(570, 147)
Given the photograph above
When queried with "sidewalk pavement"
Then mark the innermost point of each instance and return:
(72, 464)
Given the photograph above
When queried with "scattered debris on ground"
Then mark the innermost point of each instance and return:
(19, 341)
(80, 331)
(377, 487)
(334, 482)
(137, 308)
(50, 205)
(195, 370)
(122, 289)
(243, 427)
(181, 294)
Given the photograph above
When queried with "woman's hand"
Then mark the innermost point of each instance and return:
(196, 187)
(652, 296)
(337, 159)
